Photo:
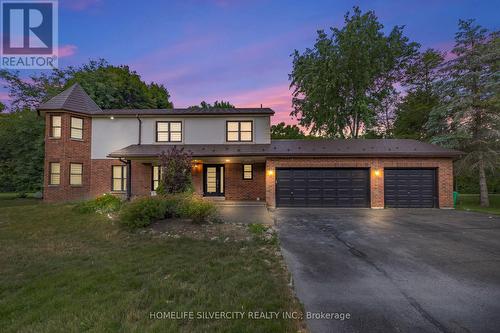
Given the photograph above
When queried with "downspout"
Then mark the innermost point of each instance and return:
(140, 129)
(129, 177)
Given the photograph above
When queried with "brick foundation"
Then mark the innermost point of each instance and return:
(444, 174)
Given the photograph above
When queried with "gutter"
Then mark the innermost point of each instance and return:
(140, 129)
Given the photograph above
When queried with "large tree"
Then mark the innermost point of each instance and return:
(111, 87)
(340, 83)
(468, 116)
(21, 151)
(22, 131)
(421, 97)
(283, 131)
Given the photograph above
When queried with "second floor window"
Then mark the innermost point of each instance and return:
(55, 126)
(239, 131)
(168, 131)
(76, 128)
(76, 174)
(119, 178)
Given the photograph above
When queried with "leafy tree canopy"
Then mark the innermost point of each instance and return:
(413, 112)
(111, 87)
(468, 115)
(283, 131)
(339, 83)
(217, 105)
(21, 151)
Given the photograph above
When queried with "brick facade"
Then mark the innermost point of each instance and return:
(197, 177)
(238, 188)
(65, 150)
(444, 168)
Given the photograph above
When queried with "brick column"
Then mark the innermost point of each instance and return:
(270, 172)
(377, 184)
(445, 184)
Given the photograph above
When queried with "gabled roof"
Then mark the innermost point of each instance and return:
(72, 99)
(298, 148)
(75, 99)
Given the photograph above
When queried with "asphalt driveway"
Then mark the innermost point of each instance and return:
(424, 270)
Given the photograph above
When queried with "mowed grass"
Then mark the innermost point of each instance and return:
(471, 202)
(62, 271)
(9, 199)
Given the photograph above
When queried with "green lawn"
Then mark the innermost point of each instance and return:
(61, 271)
(471, 202)
(13, 195)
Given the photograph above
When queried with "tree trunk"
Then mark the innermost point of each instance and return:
(483, 187)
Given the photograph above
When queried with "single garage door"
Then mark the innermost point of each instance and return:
(322, 188)
(410, 188)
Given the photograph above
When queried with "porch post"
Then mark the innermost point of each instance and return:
(129, 180)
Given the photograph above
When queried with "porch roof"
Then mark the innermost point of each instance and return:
(300, 148)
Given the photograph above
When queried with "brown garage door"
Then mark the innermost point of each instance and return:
(410, 188)
(321, 187)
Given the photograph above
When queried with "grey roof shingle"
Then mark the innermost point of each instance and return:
(305, 148)
(73, 99)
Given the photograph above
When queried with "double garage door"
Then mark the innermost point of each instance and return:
(342, 187)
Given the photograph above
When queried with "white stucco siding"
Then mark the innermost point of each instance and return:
(109, 135)
(112, 134)
(209, 130)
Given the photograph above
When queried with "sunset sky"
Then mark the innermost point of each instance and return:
(235, 50)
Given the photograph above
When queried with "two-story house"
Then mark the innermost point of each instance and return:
(90, 151)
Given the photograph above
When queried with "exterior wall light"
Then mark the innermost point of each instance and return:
(270, 172)
(228, 161)
(377, 172)
(111, 117)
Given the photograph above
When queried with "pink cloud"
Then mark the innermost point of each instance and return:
(67, 50)
(278, 98)
(79, 5)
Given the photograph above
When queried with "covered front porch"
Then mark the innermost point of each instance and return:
(228, 178)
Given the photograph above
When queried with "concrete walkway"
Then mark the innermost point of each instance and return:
(246, 212)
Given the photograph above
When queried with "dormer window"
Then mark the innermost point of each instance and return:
(168, 131)
(55, 127)
(239, 131)
(76, 128)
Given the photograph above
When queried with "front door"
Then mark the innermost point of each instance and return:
(213, 184)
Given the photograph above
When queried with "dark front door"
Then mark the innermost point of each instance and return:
(410, 188)
(213, 184)
(322, 187)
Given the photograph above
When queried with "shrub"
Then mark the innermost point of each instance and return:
(103, 204)
(197, 209)
(142, 212)
(175, 166)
